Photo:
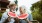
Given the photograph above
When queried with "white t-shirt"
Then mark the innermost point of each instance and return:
(5, 16)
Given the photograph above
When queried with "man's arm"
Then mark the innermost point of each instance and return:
(30, 18)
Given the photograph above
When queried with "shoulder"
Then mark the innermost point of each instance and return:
(5, 14)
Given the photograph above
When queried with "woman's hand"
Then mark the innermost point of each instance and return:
(9, 18)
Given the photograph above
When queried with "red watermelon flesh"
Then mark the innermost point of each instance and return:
(23, 16)
(11, 14)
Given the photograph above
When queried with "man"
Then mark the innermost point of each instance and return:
(7, 19)
(28, 19)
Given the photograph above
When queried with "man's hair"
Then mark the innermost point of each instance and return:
(24, 7)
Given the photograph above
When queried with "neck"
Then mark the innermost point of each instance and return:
(12, 10)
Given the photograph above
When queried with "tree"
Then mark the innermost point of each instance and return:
(37, 11)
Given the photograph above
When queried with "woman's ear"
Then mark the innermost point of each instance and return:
(16, 9)
(24, 10)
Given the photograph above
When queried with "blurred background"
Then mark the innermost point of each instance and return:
(33, 6)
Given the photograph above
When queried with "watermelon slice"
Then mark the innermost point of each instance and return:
(11, 14)
(23, 16)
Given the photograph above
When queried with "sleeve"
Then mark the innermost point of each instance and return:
(30, 18)
(3, 17)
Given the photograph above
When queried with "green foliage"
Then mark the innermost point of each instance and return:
(37, 11)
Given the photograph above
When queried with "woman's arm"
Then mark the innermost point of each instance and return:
(3, 17)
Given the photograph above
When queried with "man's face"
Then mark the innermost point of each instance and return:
(21, 10)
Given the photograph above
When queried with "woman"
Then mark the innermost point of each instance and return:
(22, 10)
(7, 19)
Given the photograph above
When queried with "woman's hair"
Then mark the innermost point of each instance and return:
(10, 5)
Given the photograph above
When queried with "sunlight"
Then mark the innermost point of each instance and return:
(27, 3)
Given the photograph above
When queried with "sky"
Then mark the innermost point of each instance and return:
(27, 3)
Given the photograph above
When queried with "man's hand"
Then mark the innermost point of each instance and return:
(30, 22)
(16, 20)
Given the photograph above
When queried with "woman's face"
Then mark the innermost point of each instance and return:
(21, 10)
(13, 7)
